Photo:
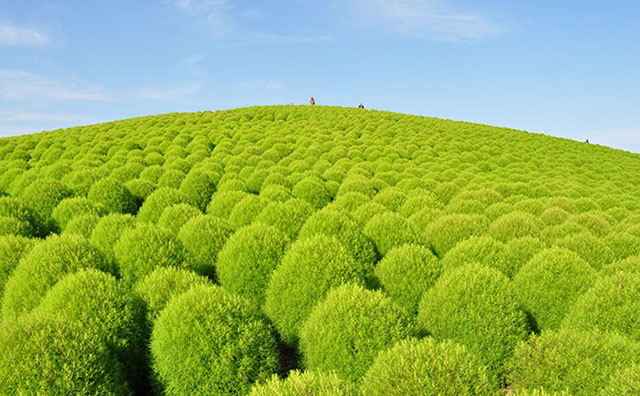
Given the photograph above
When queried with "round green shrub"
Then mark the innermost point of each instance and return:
(345, 331)
(204, 236)
(108, 231)
(13, 226)
(145, 247)
(570, 360)
(43, 195)
(406, 273)
(16, 208)
(388, 230)
(222, 203)
(208, 341)
(113, 196)
(625, 382)
(174, 217)
(287, 216)
(140, 189)
(232, 184)
(275, 193)
(551, 234)
(43, 355)
(248, 258)
(515, 225)
(313, 191)
(550, 283)
(47, 263)
(391, 197)
(349, 202)
(415, 203)
(475, 306)
(628, 265)
(309, 268)
(623, 244)
(68, 208)
(105, 310)
(171, 178)
(588, 247)
(335, 224)
(158, 201)
(425, 367)
(367, 211)
(538, 392)
(82, 225)
(477, 249)
(316, 383)
(445, 232)
(611, 304)
(595, 222)
(12, 248)
(152, 173)
(518, 252)
(157, 288)
(199, 186)
(245, 211)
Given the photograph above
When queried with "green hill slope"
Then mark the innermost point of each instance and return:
(488, 241)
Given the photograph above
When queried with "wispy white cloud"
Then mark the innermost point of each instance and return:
(215, 15)
(429, 19)
(262, 84)
(12, 35)
(18, 123)
(172, 91)
(17, 85)
(193, 59)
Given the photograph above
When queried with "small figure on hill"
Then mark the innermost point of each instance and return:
(291, 104)
(312, 101)
(361, 106)
(587, 141)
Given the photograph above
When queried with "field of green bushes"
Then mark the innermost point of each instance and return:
(298, 250)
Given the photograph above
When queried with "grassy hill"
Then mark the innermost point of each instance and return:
(348, 251)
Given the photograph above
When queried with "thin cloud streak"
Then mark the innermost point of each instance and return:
(16, 85)
(15, 36)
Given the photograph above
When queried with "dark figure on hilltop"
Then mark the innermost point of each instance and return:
(361, 106)
(312, 101)
(587, 141)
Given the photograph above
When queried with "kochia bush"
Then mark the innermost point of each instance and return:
(425, 367)
(245, 211)
(445, 232)
(588, 247)
(309, 269)
(174, 217)
(203, 237)
(12, 248)
(208, 341)
(388, 230)
(515, 225)
(316, 383)
(68, 208)
(199, 187)
(345, 331)
(43, 195)
(313, 191)
(287, 216)
(625, 382)
(108, 231)
(82, 225)
(16, 208)
(113, 196)
(158, 201)
(477, 249)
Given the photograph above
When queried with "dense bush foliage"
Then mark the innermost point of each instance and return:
(426, 367)
(290, 202)
(316, 383)
(208, 341)
(346, 330)
(625, 382)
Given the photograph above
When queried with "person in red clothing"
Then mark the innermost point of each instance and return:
(312, 101)
(361, 106)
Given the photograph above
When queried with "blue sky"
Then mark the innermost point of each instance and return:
(567, 68)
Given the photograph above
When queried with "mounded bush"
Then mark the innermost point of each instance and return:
(309, 269)
(108, 231)
(519, 251)
(174, 217)
(69, 208)
(275, 193)
(391, 197)
(628, 265)
(223, 202)
(406, 273)
(538, 392)
(445, 232)
(204, 236)
(475, 306)
(367, 211)
(345, 331)
(12, 248)
(16, 208)
(157, 288)
(158, 201)
(288, 216)
(349, 202)
(576, 361)
(248, 258)
(113, 196)
(13, 226)
(550, 283)
(172, 178)
(44, 355)
(316, 383)
(145, 247)
(515, 225)
(589, 248)
(198, 186)
(245, 211)
(313, 191)
(623, 244)
(388, 230)
(477, 249)
(82, 225)
(208, 341)
(43, 195)
(611, 304)
(551, 234)
(625, 382)
(40, 269)
(105, 310)
(425, 367)
(140, 189)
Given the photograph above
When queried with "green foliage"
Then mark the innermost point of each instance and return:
(247, 260)
(108, 231)
(17, 210)
(223, 202)
(550, 283)
(288, 217)
(140, 189)
(445, 232)
(625, 382)
(174, 217)
(345, 331)
(158, 201)
(157, 288)
(43, 195)
(68, 208)
(475, 306)
(571, 360)
(515, 225)
(316, 383)
(477, 249)
(208, 341)
(611, 304)
(82, 225)
(388, 230)
(43, 355)
(588, 247)
(203, 237)
(198, 187)
(628, 265)
(313, 191)
(623, 244)
(113, 196)
(145, 247)
(46, 263)
(245, 211)
(425, 367)
(406, 273)
(12, 248)
(309, 269)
